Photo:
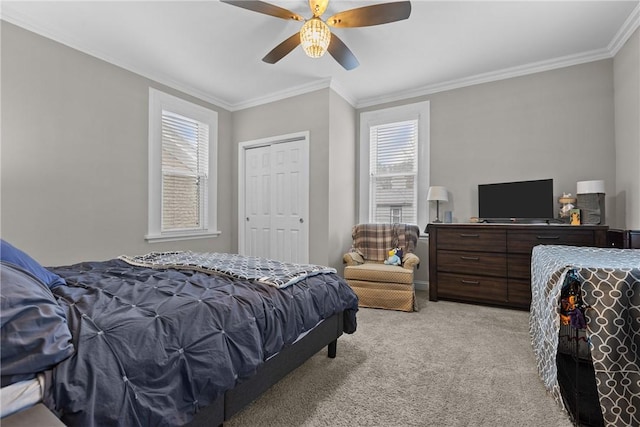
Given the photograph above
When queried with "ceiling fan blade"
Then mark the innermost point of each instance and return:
(371, 15)
(342, 54)
(318, 6)
(266, 8)
(283, 49)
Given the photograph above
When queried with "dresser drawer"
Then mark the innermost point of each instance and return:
(472, 288)
(524, 241)
(519, 266)
(480, 263)
(468, 239)
(519, 293)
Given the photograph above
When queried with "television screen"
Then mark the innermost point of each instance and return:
(516, 200)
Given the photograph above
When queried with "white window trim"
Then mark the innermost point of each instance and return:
(419, 111)
(157, 102)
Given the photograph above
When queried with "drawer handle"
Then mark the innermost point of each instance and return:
(548, 237)
(470, 282)
(469, 235)
(470, 258)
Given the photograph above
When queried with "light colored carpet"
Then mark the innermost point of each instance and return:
(449, 364)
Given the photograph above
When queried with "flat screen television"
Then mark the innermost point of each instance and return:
(524, 201)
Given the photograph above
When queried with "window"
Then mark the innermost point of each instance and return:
(182, 175)
(394, 166)
(393, 172)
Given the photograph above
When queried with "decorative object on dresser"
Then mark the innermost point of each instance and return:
(380, 285)
(437, 194)
(574, 215)
(491, 263)
(567, 201)
(590, 201)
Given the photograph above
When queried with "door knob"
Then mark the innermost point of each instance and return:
(301, 220)
(247, 218)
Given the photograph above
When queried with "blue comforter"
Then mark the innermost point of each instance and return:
(155, 345)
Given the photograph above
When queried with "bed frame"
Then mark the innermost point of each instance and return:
(273, 370)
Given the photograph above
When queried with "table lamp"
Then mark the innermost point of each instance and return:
(439, 194)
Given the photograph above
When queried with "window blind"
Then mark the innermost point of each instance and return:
(394, 172)
(185, 167)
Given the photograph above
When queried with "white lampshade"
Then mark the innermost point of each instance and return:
(590, 187)
(438, 193)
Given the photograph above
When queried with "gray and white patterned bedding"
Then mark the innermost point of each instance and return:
(610, 286)
(262, 270)
(154, 345)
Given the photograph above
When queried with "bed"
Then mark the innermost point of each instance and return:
(165, 339)
(597, 291)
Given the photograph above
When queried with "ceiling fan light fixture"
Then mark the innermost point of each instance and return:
(315, 37)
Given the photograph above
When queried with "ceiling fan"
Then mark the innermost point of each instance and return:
(315, 36)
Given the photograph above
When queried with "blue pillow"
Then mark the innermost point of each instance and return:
(15, 256)
(34, 330)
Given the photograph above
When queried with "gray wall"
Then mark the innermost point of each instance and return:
(342, 178)
(626, 70)
(556, 124)
(74, 155)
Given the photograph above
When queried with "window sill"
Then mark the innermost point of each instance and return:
(158, 238)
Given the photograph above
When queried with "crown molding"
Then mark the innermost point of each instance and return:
(284, 94)
(343, 92)
(299, 90)
(21, 21)
(626, 31)
(324, 83)
(631, 24)
(489, 77)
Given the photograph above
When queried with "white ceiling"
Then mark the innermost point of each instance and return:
(213, 50)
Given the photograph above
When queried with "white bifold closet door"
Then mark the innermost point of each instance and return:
(276, 191)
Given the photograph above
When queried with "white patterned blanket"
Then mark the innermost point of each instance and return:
(262, 270)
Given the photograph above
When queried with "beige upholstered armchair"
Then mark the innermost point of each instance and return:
(377, 284)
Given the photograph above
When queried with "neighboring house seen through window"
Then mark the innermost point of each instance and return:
(182, 173)
(393, 171)
(394, 164)
(185, 170)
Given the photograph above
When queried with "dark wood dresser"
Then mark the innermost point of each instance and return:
(491, 263)
(623, 239)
